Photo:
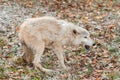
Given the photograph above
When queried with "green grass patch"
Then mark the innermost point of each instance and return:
(2, 42)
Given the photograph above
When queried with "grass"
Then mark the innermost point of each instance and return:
(2, 42)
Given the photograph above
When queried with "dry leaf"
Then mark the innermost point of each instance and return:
(64, 75)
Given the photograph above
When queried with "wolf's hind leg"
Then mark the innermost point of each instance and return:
(28, 54)
(39, 51)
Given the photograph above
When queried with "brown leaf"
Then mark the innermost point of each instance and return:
(17, 29)
(94, 61)
(0, 55)
(98, 78)
(100, 16)
(110, 4)
(64, 76)
(105, 53)
(99, 71)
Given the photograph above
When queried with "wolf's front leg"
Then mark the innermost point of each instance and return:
(59, 52)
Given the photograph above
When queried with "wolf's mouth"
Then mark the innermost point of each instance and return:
(87, 47)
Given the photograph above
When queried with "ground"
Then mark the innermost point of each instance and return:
(100, 17)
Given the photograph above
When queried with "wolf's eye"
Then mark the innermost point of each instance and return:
(85, 37)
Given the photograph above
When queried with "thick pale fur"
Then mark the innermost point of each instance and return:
(36, 34)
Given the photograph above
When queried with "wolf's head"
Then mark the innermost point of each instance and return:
(81, 35)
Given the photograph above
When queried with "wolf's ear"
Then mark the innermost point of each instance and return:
(74, 31)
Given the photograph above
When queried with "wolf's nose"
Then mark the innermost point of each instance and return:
(94, 44)
(87, 47)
